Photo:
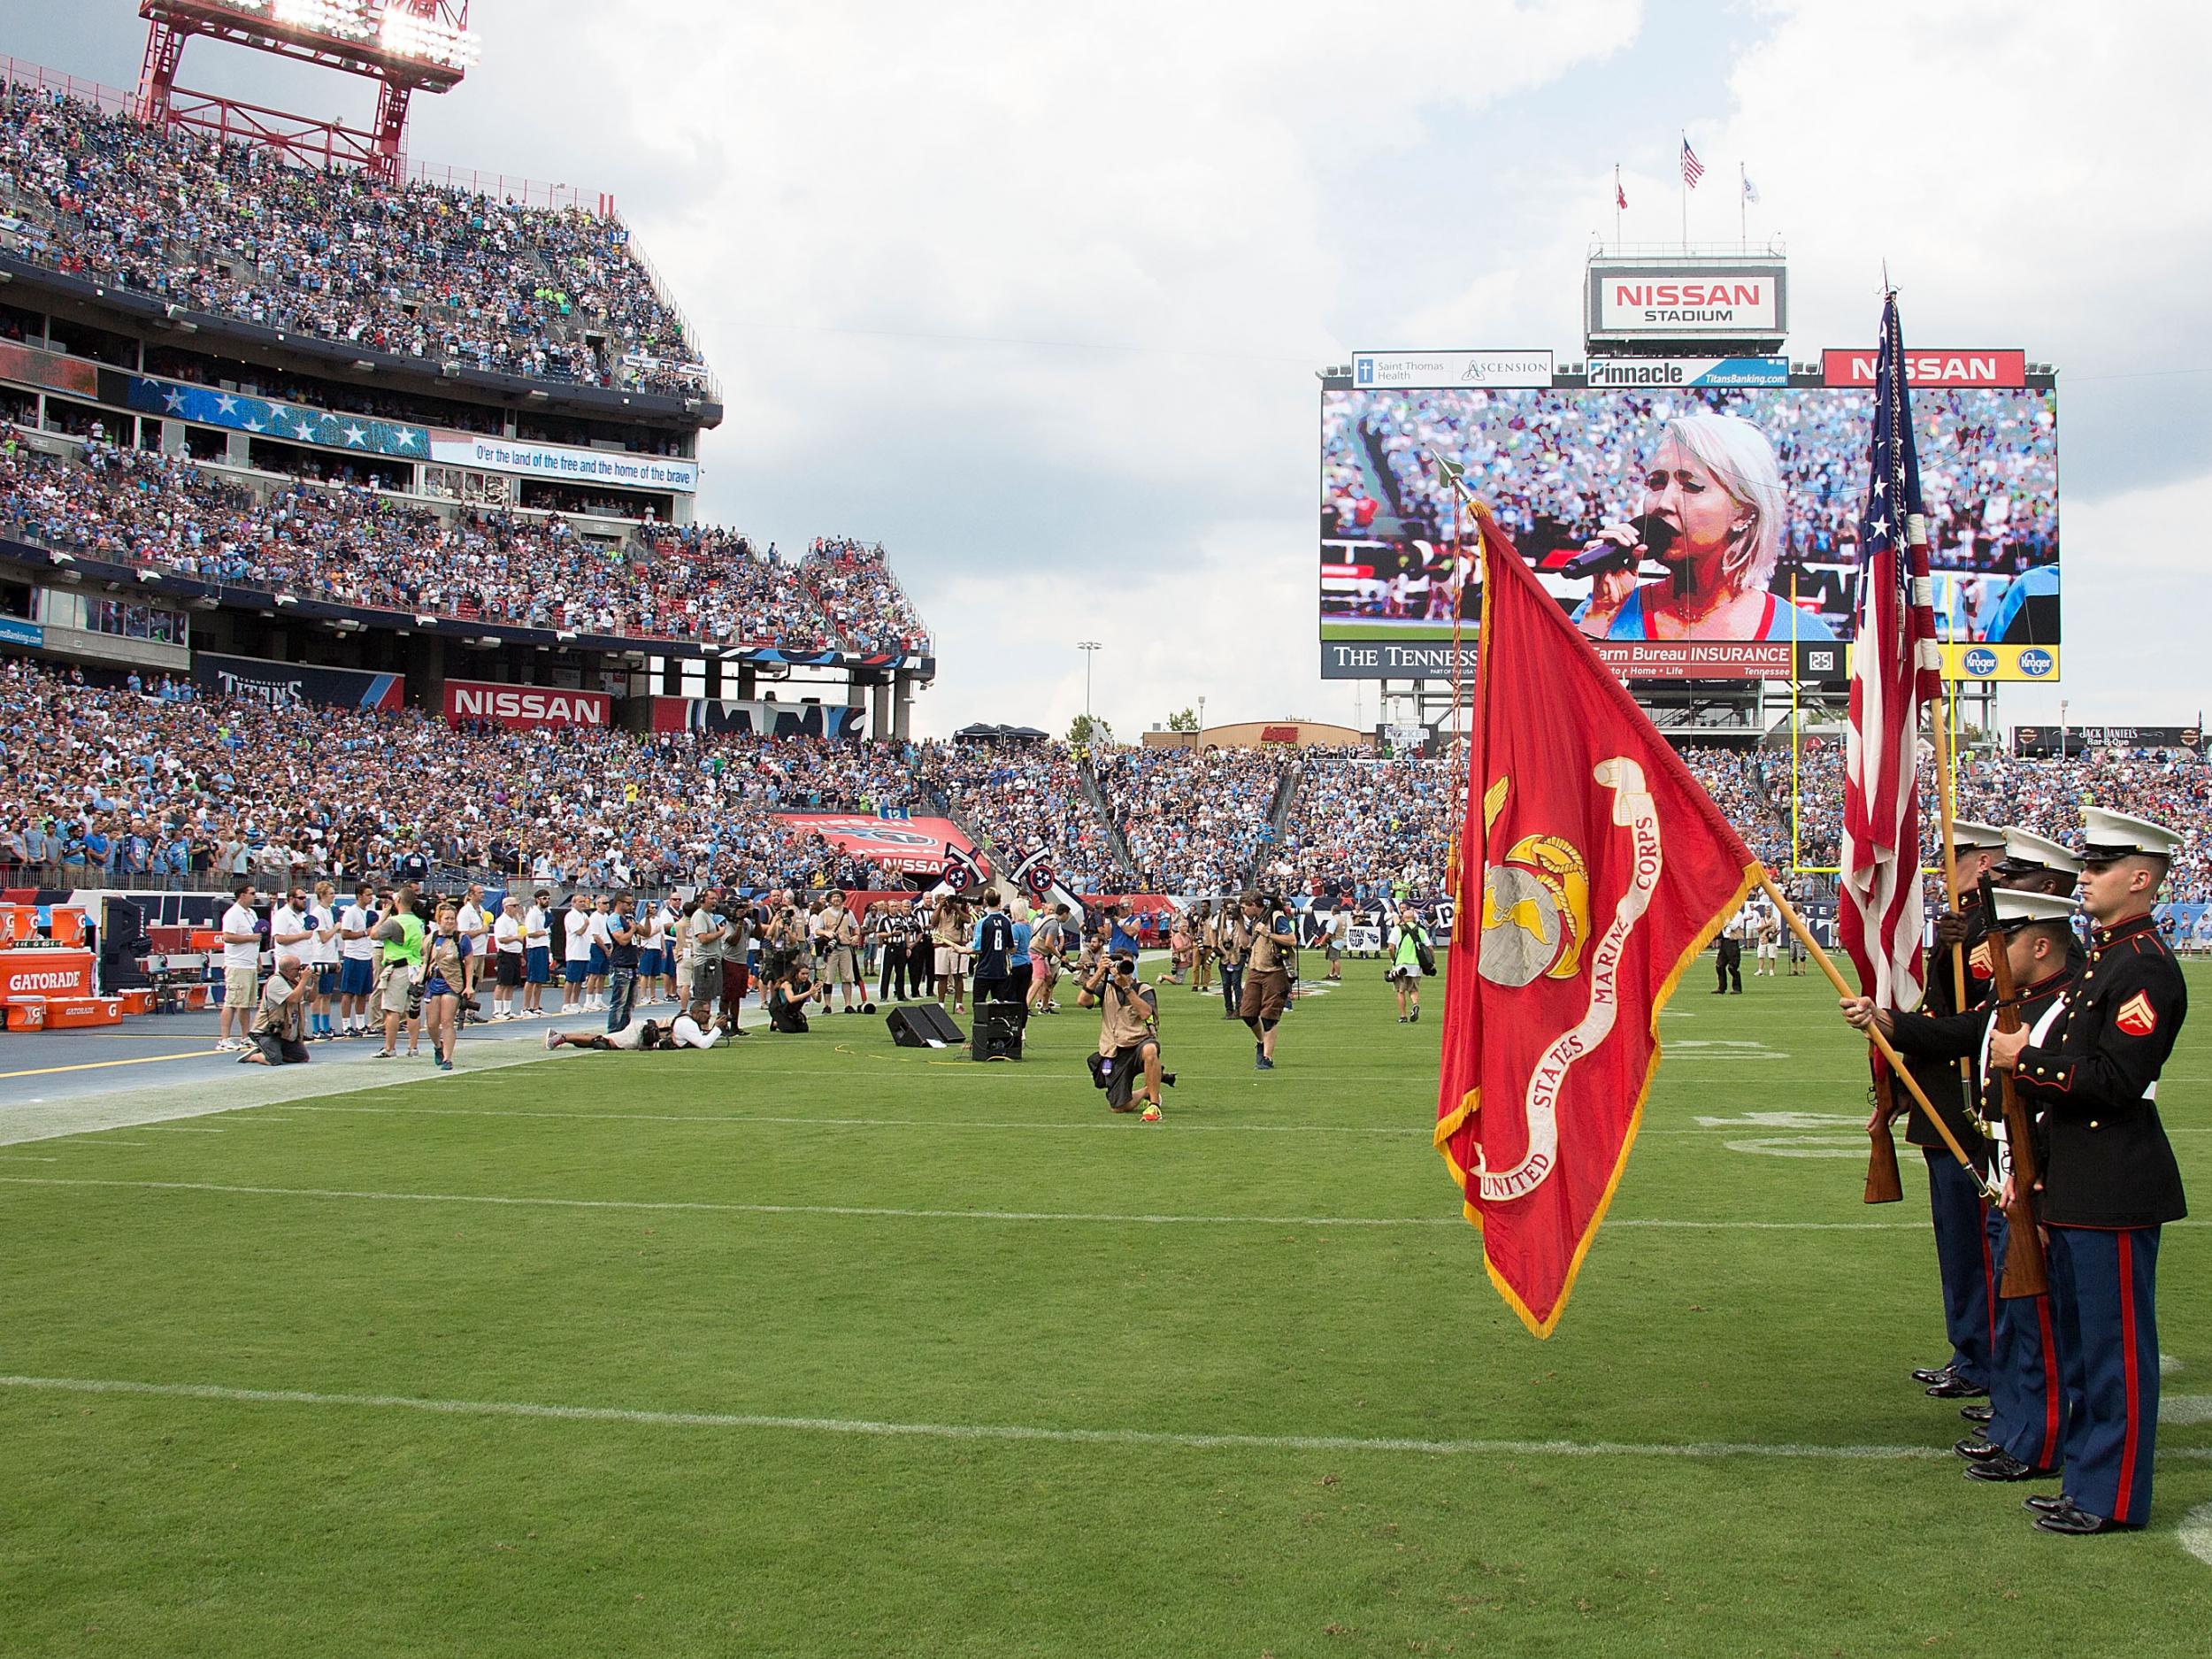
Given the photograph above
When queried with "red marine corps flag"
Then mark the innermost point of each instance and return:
(1598, 868)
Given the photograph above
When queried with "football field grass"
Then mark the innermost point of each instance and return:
(819, 1345)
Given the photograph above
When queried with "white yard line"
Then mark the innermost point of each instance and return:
(636, 1417)
(630, 1416)
(934, 1125)
(888, 1212)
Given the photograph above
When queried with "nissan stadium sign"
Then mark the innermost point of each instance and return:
(1716, 300)
(525, 707)
(1434, 371)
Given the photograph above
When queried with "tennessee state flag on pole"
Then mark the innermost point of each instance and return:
(1598, 868)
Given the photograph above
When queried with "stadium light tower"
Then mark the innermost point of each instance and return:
(405, 46)
(1090, 650)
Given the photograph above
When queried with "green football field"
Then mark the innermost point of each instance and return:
(819, 1345)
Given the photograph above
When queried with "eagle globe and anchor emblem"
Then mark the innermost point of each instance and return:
(1536, 926)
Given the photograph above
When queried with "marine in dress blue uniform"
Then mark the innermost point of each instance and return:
(2110, 1182)
(1955, 1205)
(2027, 1414)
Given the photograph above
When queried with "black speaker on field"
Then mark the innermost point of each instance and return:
(998, 1031)
(924, 1026)
(122, 940)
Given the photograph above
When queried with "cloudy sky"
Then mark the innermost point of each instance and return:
(1036, 298)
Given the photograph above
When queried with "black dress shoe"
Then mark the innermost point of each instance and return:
(2079, 1522)
(1975, 1450)
(1957, 1388)
(1976, 1414)
(2047, 1503)
(2002, 1465)
(1932, 1374)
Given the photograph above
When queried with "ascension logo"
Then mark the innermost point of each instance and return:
(1534, 919)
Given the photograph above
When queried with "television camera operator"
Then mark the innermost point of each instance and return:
(1128, 1027)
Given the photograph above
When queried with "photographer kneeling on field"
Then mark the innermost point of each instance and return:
(1128, 1040)
(787, 1004)
(276, 1029)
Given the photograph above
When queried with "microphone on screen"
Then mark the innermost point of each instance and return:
(1658, 536)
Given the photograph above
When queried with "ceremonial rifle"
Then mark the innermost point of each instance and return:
(2024, 1273)
(1884, 1185)
(1883, 1046)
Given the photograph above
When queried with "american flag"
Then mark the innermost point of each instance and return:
(1896, 668)
(1692, 169)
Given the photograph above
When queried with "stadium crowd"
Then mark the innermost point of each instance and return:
(852, 582)
(412, 269)
(352, 544)
(1368, 830)
(2045, 794)
(162, 785)
(1193, 821)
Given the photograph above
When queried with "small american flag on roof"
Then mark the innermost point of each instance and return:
(1692, 169)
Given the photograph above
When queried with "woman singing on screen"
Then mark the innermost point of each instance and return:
(1713, 511)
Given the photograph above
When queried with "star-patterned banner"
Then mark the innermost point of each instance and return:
(210, 406)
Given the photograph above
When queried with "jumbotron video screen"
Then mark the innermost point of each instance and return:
(1698, 514)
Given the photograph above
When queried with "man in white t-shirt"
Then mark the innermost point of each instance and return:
(575, 954)
(602, 935)
(291, 935)
(640, 1032)
(507, 951)
(357, 961)
(474, 927)
(241, 939)
(537, 956)
(323, 918)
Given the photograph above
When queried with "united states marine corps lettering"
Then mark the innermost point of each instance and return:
(2111, 1182)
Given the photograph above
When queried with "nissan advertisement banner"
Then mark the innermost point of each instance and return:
(525, 707)
(289, 684)
(1673, 302)
(914, 846)
(1951, 366)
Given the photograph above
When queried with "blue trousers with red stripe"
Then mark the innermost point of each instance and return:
(1954, 1202)
(2104, 1304)
(2027, 1402)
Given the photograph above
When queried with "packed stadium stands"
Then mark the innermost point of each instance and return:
(352, 544)
(159, 785)
(1193, 821)
(415, 270)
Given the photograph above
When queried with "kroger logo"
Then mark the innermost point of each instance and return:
(1981, 660)
(2035, 662)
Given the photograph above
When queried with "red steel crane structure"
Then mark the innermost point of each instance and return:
(405, 46)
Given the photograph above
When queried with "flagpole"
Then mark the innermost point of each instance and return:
(1946, 790)
(1685, 196)
(1617, 207)
(1797, 857)
(1743, 216)
(1873, 1032)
